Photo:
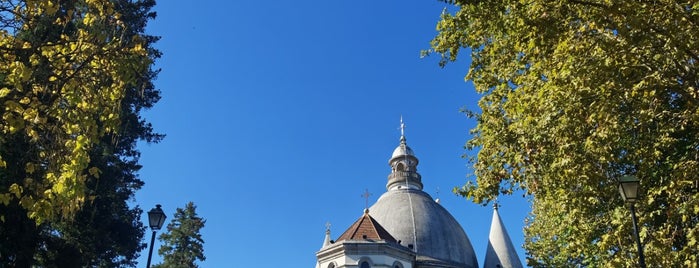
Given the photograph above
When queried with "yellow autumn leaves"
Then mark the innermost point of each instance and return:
(63, 72)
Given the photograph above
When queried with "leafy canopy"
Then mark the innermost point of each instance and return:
(64, 69)
(575, 94)
(63, 55)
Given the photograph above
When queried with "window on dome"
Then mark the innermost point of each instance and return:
(364, 264)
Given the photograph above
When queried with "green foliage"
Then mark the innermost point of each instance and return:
(87, 64)
(182, 243)
(65, 67)
(575, 94)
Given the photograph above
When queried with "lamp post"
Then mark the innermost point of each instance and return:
(156, 218)
(629, 187)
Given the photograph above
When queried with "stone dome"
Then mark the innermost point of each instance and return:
(414, 218)
(402, 150)
(411, 216)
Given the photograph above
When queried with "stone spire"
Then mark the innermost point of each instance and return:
(501, 252)
(403, 166)
(327, 241)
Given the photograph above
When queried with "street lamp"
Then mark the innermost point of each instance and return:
(156, 218)
(629, 187)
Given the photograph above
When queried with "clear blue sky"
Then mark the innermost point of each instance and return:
(279, 114)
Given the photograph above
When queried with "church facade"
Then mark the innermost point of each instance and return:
(406, 228)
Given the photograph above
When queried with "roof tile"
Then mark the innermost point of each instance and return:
(366, 228)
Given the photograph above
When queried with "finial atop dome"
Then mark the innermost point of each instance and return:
(402, 148)
(403, 165)
(402, 133)
(402, 127)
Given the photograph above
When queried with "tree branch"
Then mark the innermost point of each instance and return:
(586, 3)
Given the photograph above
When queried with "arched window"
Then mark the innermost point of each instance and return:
(400, 167)
(397, 264)
(365, 262)
(331, 265)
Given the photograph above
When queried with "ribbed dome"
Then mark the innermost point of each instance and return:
(402, 150)
(413, 217)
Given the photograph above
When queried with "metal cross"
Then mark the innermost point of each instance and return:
(366, 195)
(402, 126)
(327, 226)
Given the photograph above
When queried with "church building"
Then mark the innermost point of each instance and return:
(407, 228)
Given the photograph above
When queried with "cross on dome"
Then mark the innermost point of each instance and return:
(366, 195)
(402, 127)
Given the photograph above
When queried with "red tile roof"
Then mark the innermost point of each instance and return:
(366, 228)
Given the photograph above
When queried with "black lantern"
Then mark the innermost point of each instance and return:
(156, 217)
(629, 187)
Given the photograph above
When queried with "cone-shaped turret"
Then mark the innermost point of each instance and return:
(501, 253)
(327, 241)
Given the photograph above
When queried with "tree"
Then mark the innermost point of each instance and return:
(575, 94)
(68, 172)
(64, 70)
(182, 243)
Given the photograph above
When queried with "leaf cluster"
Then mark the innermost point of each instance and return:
(74, 77)
(64, 68)
(575, 94)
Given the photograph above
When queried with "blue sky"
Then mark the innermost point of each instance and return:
(279, 114)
